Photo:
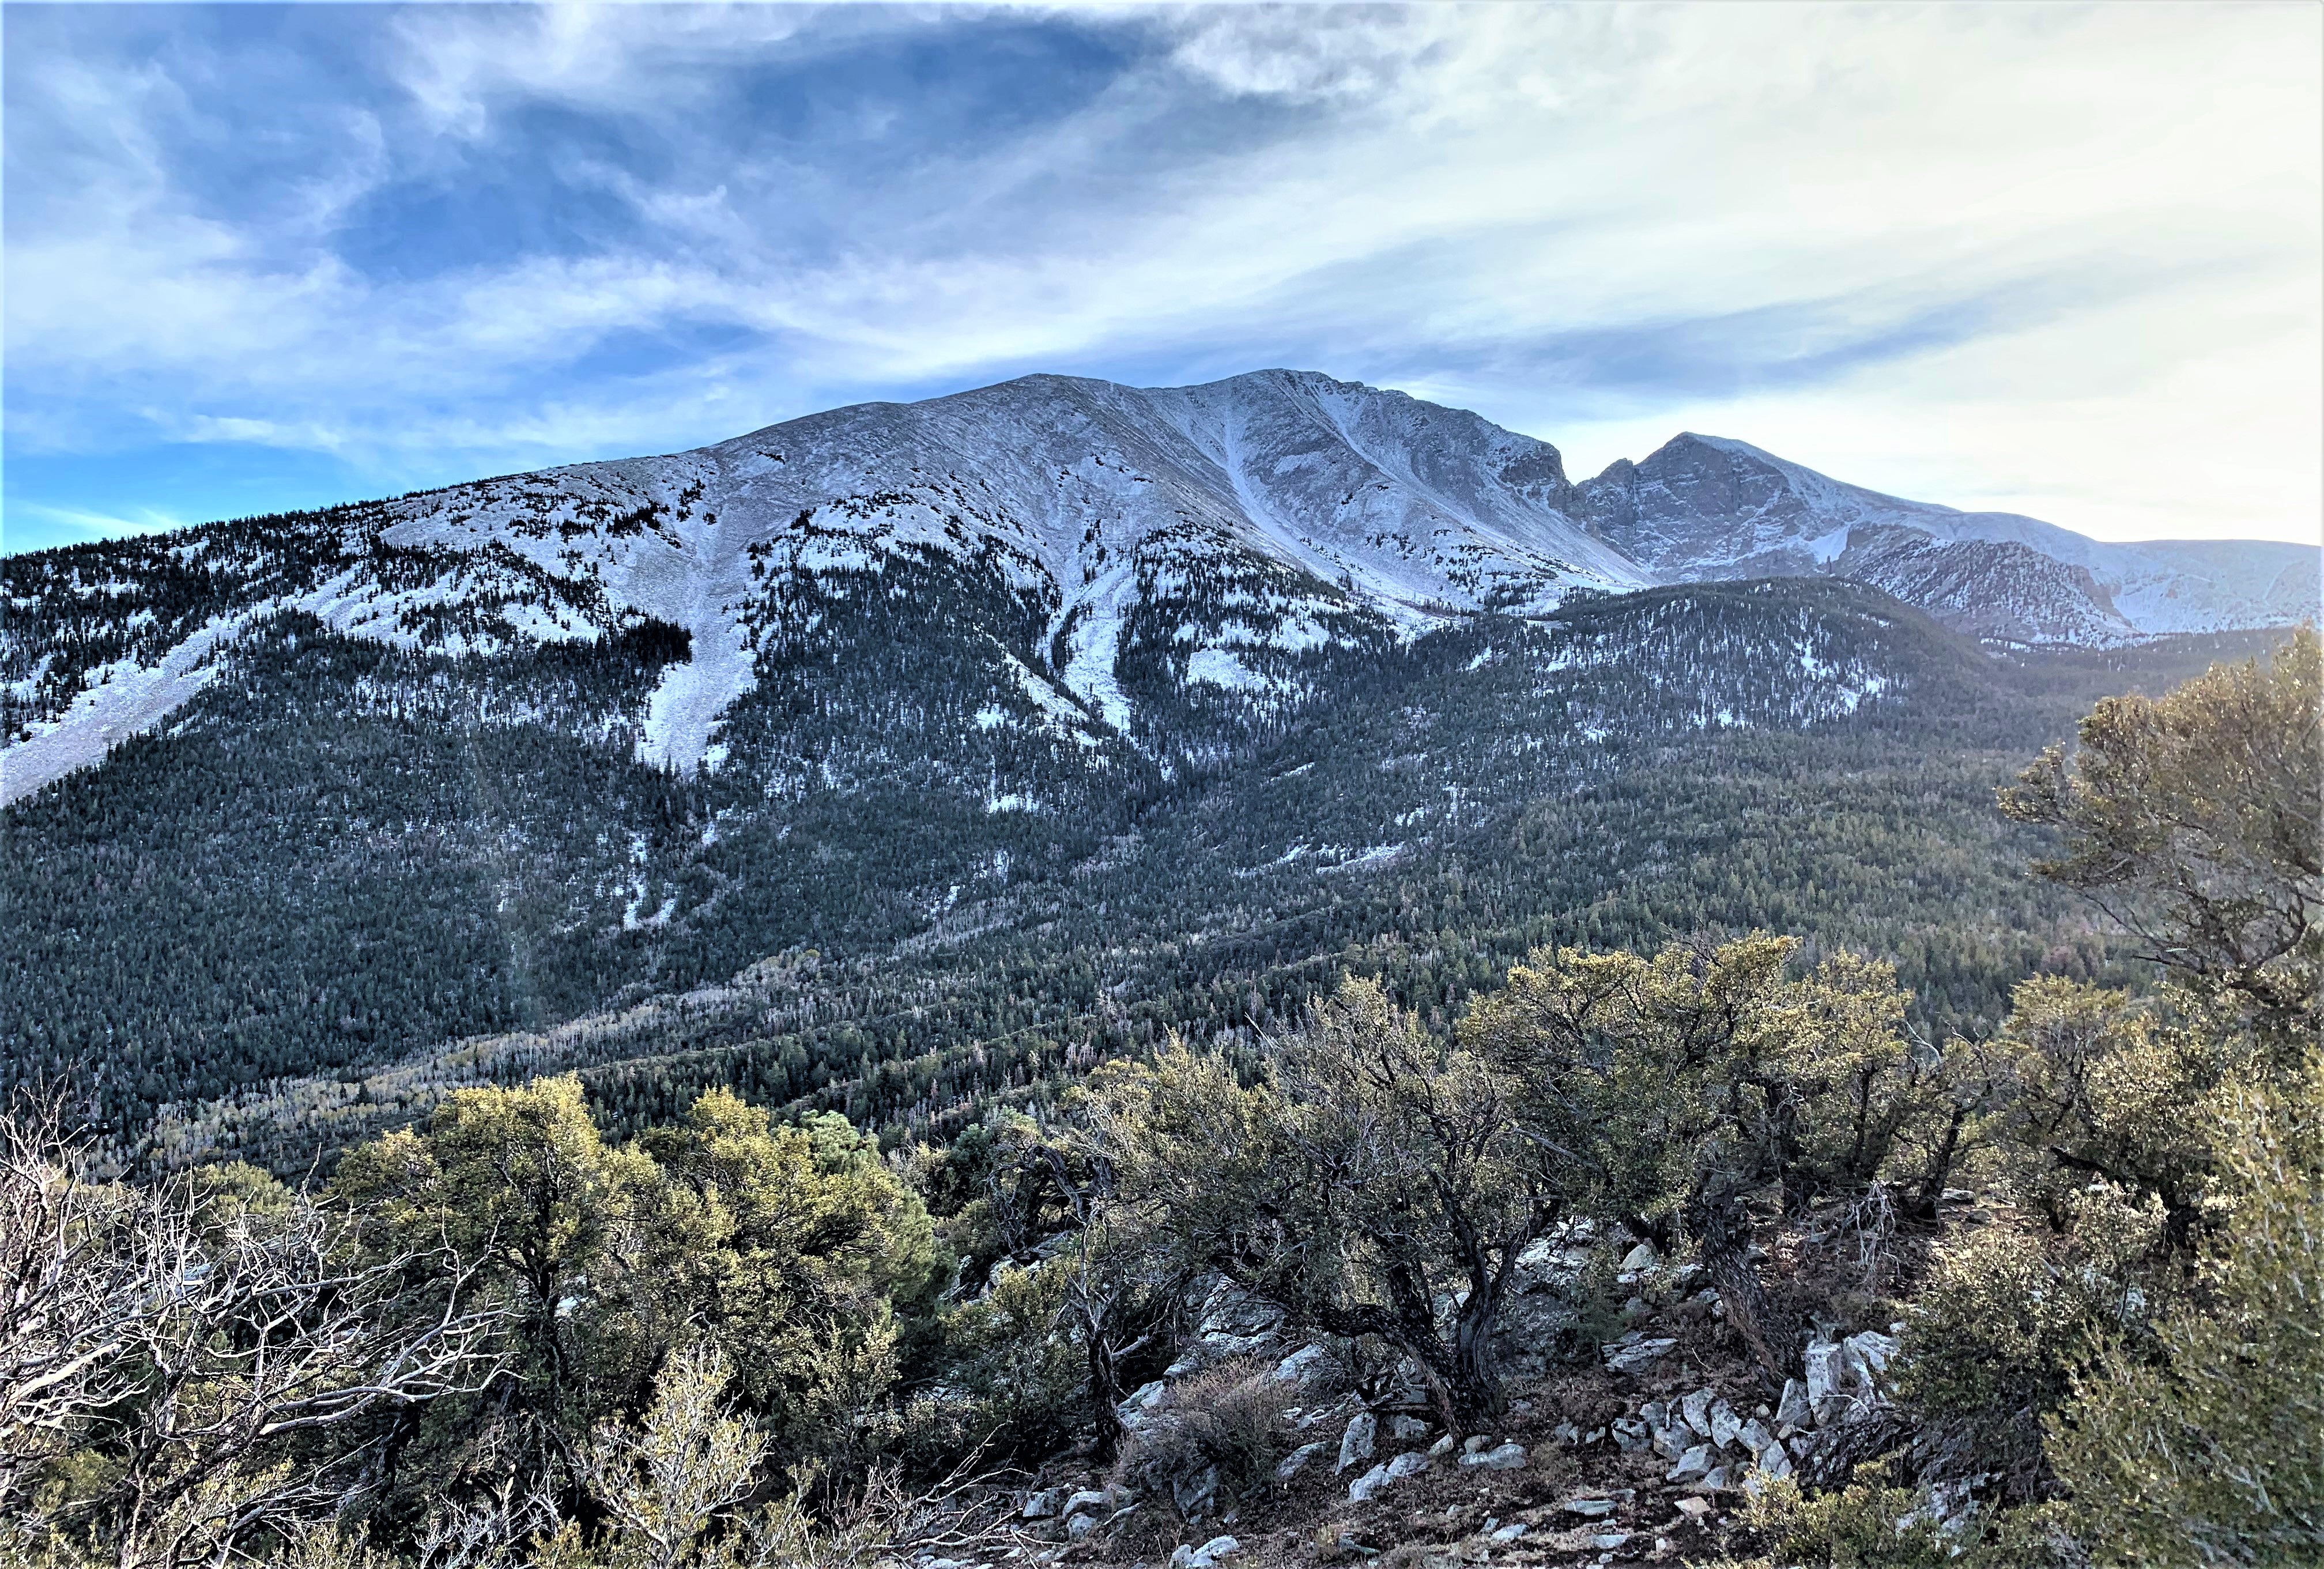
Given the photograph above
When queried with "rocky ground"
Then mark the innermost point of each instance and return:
(1260, 1447)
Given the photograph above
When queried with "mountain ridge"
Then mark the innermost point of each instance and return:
(1230, 534)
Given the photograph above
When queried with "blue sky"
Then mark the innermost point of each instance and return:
(2062, 260)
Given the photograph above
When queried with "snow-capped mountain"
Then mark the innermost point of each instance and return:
(1703, 507)
(1121, 567)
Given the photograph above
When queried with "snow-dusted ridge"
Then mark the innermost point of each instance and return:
(1706, 506)
(1259, 520)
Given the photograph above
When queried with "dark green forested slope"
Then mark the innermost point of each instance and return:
(342, 858)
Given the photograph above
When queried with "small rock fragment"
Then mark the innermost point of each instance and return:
(1291, 1464)
(1634, 1352)
(1692, 1464)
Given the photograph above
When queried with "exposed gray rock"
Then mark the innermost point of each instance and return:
(1827, 1381)
(1209, 1556)
(1867, 1356)
(1361, 1489)
(1302, 1365)
(1412, 1463)
(1356, 1443)
(1230, 1310)
(1635, 1352)
(1536, 1257)
(1502, 1457)
(1194, 1494)
(1041, 1506)
(1293, 1463)
(1692, 1464)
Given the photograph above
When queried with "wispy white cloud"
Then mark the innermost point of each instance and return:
(2060, 259)
(94, 525)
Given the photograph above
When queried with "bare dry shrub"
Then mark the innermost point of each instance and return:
(1230, 1416)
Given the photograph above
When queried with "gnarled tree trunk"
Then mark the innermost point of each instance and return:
(1726, 1240)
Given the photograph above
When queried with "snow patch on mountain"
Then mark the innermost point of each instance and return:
(1091, 625)
(121, 699)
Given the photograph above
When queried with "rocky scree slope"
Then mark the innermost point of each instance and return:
(1643, 1447)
